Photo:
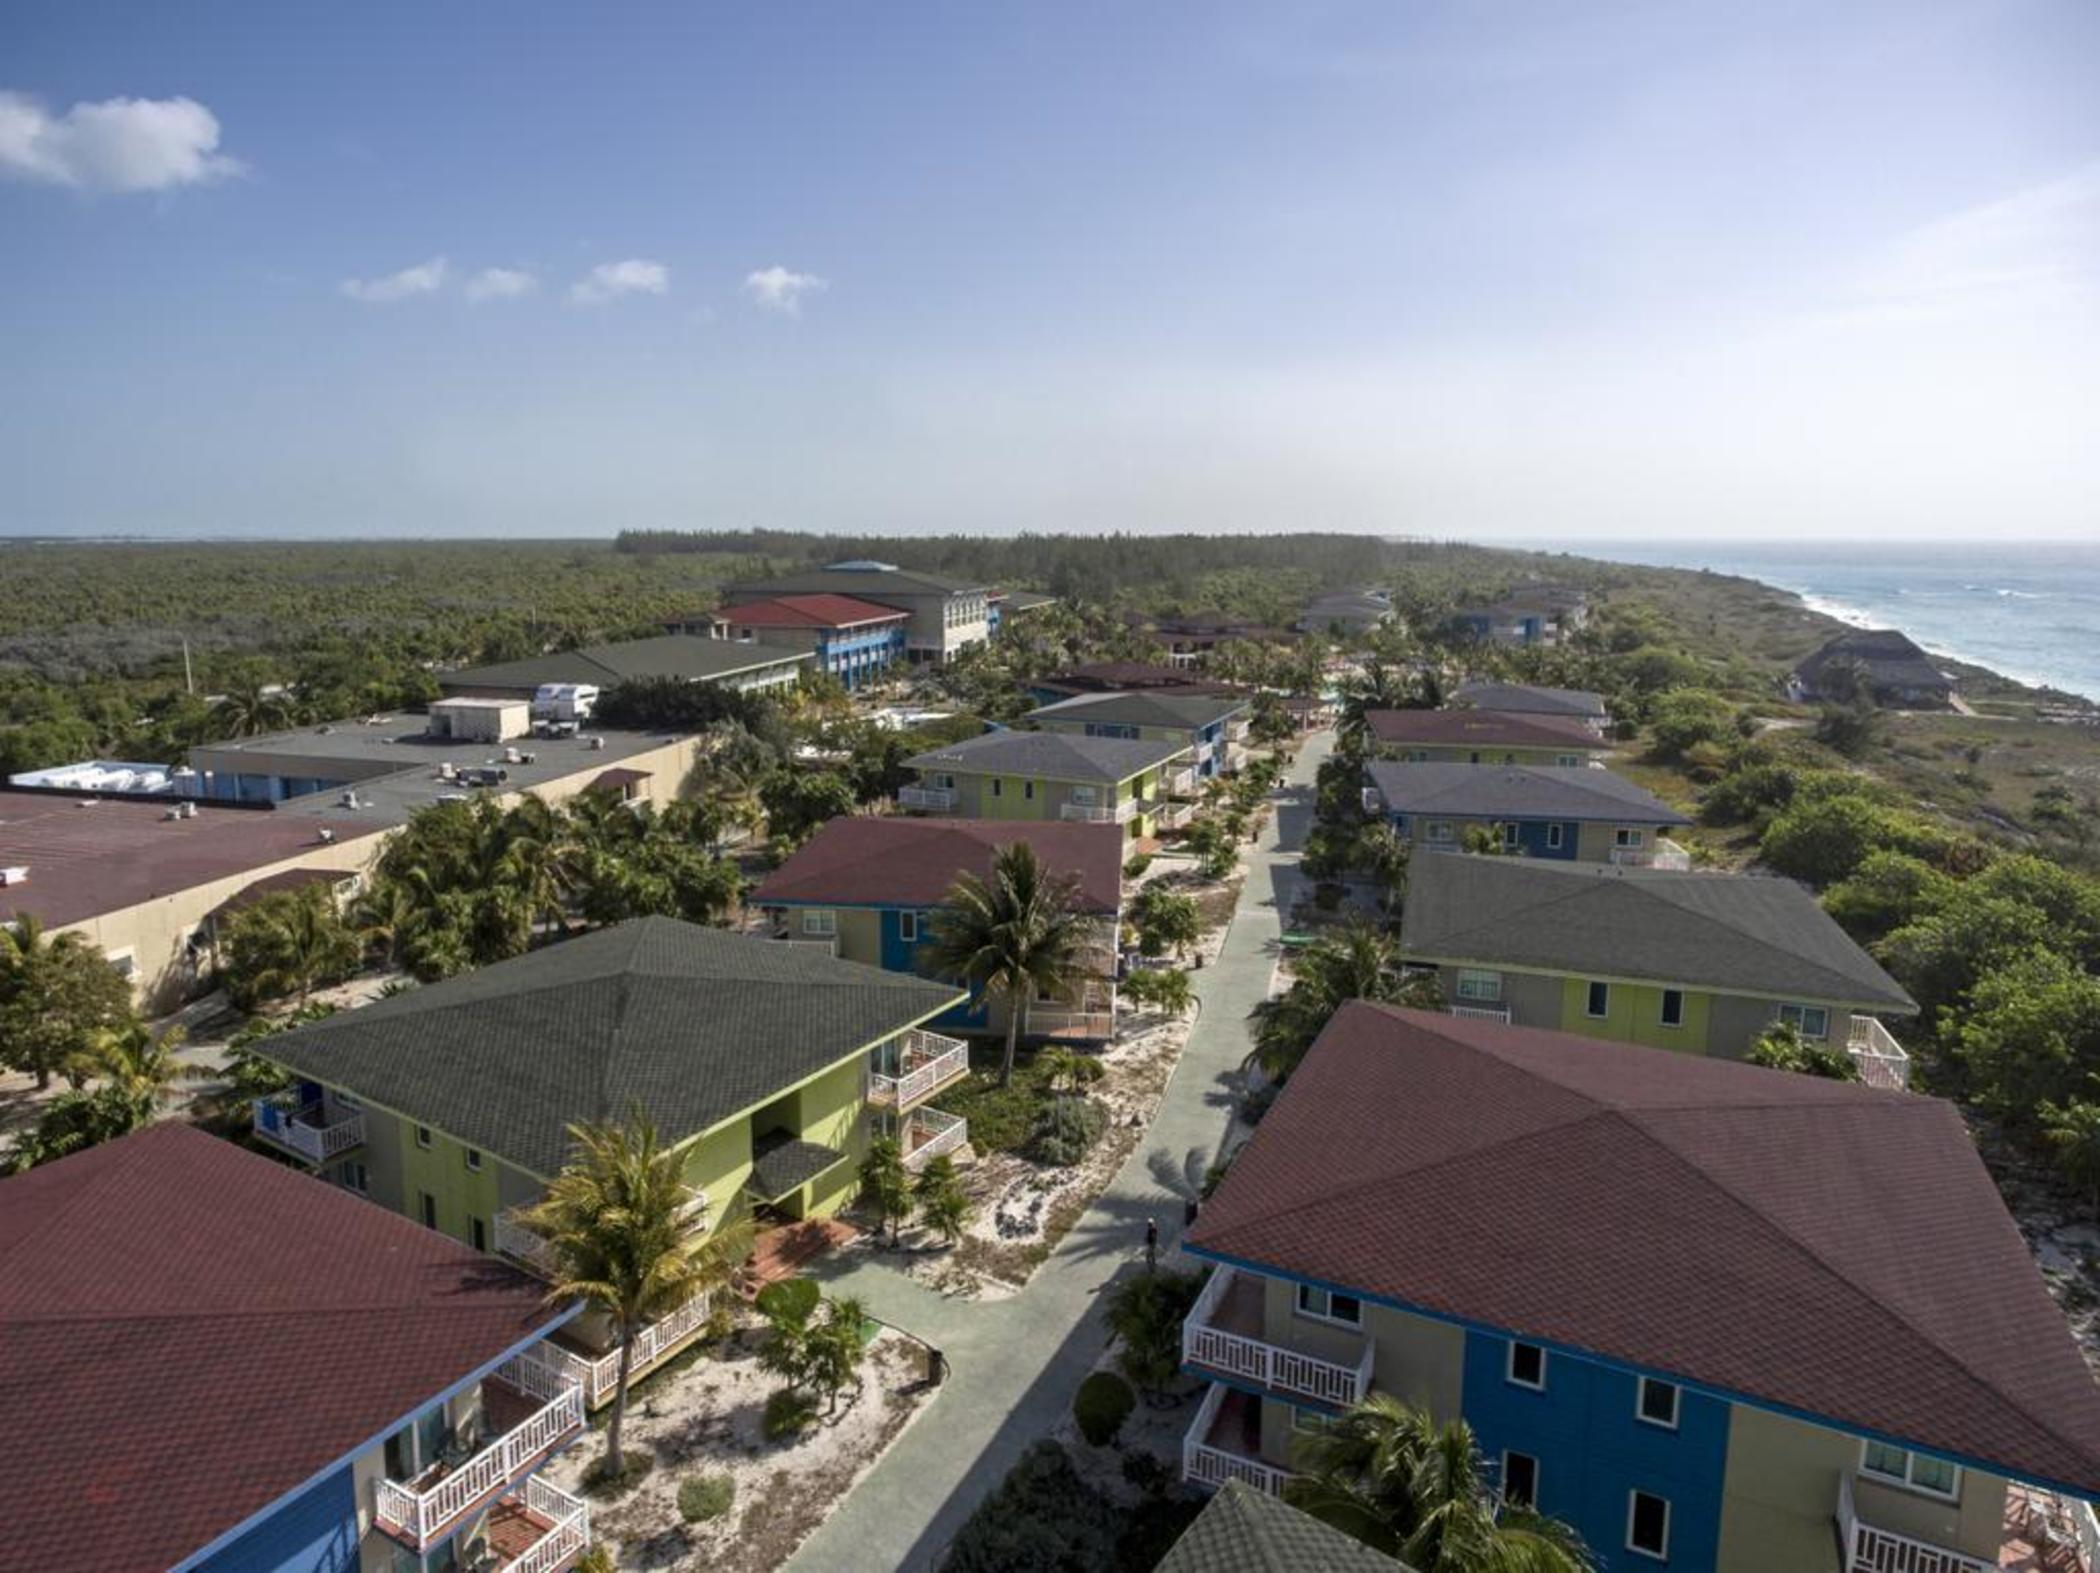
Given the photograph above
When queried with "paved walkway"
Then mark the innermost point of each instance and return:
(1014, 1364)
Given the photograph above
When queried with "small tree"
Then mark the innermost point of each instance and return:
(886, 1183)
(2071, 1131)
(1164, 989)
(1014, 934)
(944, 1206)
(288, 944)
(1166, 921)
(1067, 1070)
(1783, 1048)
(1144, 1316)
(811, 1342)
(58, 996)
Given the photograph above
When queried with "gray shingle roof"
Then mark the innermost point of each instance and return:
(1245, 1531)
(1518, 792)
(1529, 700)
(666, 655)
(1050, 756)
(1141, 708)
(867, 583)
(780, 1162)
(1732, 932)
(693, 1024)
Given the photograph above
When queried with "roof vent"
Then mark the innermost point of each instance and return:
(16, 874)
(189, 810)
(327, 836)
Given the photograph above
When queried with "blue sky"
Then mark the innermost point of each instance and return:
(1496, 270)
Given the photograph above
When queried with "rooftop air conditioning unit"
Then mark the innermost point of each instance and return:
(595, 744)
(189, 810)
(174, 812)
(327, 836)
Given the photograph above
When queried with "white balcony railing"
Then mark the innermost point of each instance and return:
(316, 1132)
(567, 1537)
(1172, 816)
(513, 1239)
(927, 1062)
(1202, 1464)
(1665, 855)
(1280, 1370)
(931, 800)
(599, 1375)
(1477, 1012)
(422, 1515)
(1880, 1058)
(1870, 1549)
(1180, 783)
(1099, 813)
(928, 1133)
(1051, 1020)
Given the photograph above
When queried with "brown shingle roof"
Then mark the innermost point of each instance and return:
(809, 611)
(1822, 1247)
(867, 861)
(1480, 729)
(197, 1331)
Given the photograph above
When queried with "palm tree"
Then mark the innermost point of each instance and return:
(1383, 852)
(615, 1219)
(1015, 934)
(1360, 962)
(57, 992)
(385, 918)
(251, 707)
(1387, 1474)
(141, 1067)
(288, 943)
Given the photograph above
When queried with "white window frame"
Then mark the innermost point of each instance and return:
(1569, 761)
(1304, 1307)
(822, 922)
(1310, 1422)
(1797, 1017)
(1480, 985)
(1663, 1010)
(1512, 835)
(1643, 1388)
(1629, 836)
(1907, 1480)
(1590, 986)
(1509, 1366)
(1439, 830)
(1532, 1500)
(473, 1155)
(908, 927)
(1556, 836)
(424, 1138)
(356, 1177)
(1633, 1498)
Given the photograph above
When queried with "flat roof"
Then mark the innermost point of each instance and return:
(198, 1331)
(90, 855)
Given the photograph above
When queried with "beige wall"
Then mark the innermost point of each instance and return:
(1780, 1493)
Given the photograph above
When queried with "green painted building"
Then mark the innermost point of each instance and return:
(1213, 727)
(1702, 963)
(453, 1103)
(1144, 785)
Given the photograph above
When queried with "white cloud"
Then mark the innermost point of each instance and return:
(610, 280)
(120, 144)
(425, 278)
(500, 284)
(781, 289)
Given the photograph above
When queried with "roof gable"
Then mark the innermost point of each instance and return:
(1143, 708)
(1528, 698)
(1057, 756)
(1518, 792)
(884, 860)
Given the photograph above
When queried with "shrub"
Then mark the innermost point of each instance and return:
(1042, 1516)
(1144, 1316)
(1103, 1403)
(1136, 867)
(1682, 718)
(789, 1413)
(634, 1468)
(702, 1497)
(1148, 1473)
(1066, 1131)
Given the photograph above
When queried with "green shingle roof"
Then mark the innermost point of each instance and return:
(687, 656)
(1245, 1531)
(692, 1024)
(1732, 932)
(1139, 708)
(1052, 756)
(780, 1163)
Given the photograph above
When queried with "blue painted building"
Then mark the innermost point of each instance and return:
(1561, 812)
(1636, 1275)
(238, 1368)
(855, 641)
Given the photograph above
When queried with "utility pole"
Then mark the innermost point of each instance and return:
(189, 680)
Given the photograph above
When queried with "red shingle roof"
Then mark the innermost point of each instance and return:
(1479, 729)
(809, 611)
(1825, 1247)
(189, 1331)
(915, 862)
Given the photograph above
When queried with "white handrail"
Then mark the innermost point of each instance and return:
(949, 1131)
(1872, 1549)
(1270, 1365)
(1481, 1012)
(1204, 1465)
(569, 1534)
(1881, 1059)
(925, 797)
(938, 1060)
(423, 1516)
(283, 1122)
(599, 1375)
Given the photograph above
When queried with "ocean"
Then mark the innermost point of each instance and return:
(2029, 611)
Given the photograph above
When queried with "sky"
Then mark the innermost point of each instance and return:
(1493, 269)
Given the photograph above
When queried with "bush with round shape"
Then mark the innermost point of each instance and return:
(789, 1413)
(704, 1497)
(1066, 1131)
(1103, 1403)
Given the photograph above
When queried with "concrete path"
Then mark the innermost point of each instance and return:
(1015, 1364)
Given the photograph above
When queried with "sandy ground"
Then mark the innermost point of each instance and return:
(704, 1418)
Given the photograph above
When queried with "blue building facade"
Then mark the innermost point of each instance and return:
(1539, 838)
(859, 656)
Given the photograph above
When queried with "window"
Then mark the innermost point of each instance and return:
(1475, 985)
(1673, 1007)
(1527, 1366)
(1082, 794)
(1626, 836)
(944, 783)
(355, 1177)
(1310, 1422)
(1811, 1021)
(1510, 833)
(1555, 837)
(423, 1137)
(821, 921)
(1656, 1403)
(1599, 1001)
(1028, 791)
(1933, 1477)
(1440, 830)
(430, 1209)
(908, 927)
(1473, 758)
(477, 1234)
(1647, 1525)
(1520, 1479)
(1329, 1306)
(1568, 761)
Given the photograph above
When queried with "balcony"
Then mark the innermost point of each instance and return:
(537, 1530)
(316, 1132)
(515, 1238)
(1224, 1443)
(928, 1133)
(1180, 783)
(1223, 1337)
(598, 1375)
(1880, 1058)
(1666, 856)
(926, 1062)
(927, 800)
(2041, 1533)
(1480, 1011)
(1098, 813)
(1172, 816)
(421, 1512)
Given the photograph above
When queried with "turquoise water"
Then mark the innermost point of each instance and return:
(2031, 612)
